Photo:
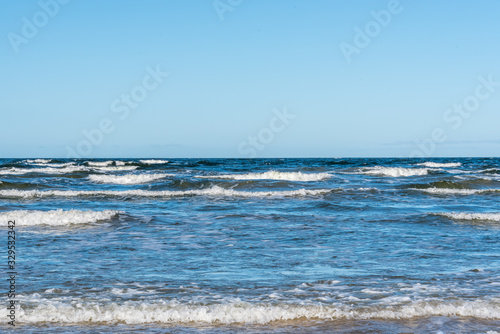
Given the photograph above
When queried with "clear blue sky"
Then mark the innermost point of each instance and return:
(227, 77)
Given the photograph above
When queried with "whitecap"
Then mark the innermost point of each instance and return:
(56, 217)
(449, 191)
(440, 164)
(213, 191)
(273, 175)
(100, 163)
(168, 312)
(153, 161)
(47, 170)
(115, 169)
(127, 179)
(472, 216)
(39, 161)
(394, 171)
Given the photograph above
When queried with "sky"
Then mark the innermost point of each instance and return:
(245, 79)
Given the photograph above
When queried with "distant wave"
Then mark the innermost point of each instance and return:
(115, 169)
(243, 312)
(440, 164)
(153, 161)
(127, 179)
(106, 163)
(39, 161)
(272, 175)
(214, 191)
(52, 164)
(471, 216)
(394, 171)
(56, 217)
(100, 163)
(47, 170)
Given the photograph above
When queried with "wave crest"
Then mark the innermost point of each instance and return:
(56, 217)
(448, 191)
(440, 164)
(127, 179)
(47, 170)
(471, 216)
(213, 191)
(273, 175)
(153, 161)
(244, 312)
(394, 171)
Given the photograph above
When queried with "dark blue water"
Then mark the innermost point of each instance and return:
(266, 245)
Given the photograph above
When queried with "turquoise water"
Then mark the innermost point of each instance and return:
(265, 245)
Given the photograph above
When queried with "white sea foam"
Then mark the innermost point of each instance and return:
(394, 171)
(47, 170)
(56, 217)
(243, 312)
(39, 161)
(440, 164)
(213, 191)
(127, 179)
(273, 175)
(153, 161)
(472, 216)
(56, 165)
(115, 169)
(100, 163)
(449, 191)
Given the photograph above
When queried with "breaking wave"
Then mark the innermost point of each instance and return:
(213, 191)
(448, 191)
(127, 179)
(47, 170)
(394, 171)
(153, 162)
(56, 217)
(440, 164)
(273, 175)
(115, 168)
(471, 216)
(130, 312)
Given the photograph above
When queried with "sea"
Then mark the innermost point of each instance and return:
(336, 245)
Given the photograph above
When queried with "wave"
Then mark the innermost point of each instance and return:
(115, 169)
(272, 175)
(105, 163)
(56, 217)
(56, 165)
(394, 171)
(153, 161)
(47, 170)
(213, 191)
(471, 216)
(448, 191)
(489, 171)
(130, 312)
(127, 179)
(38, 161)
(100, 163)
(440, 164)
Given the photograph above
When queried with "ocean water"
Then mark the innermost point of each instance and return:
(257, 245)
